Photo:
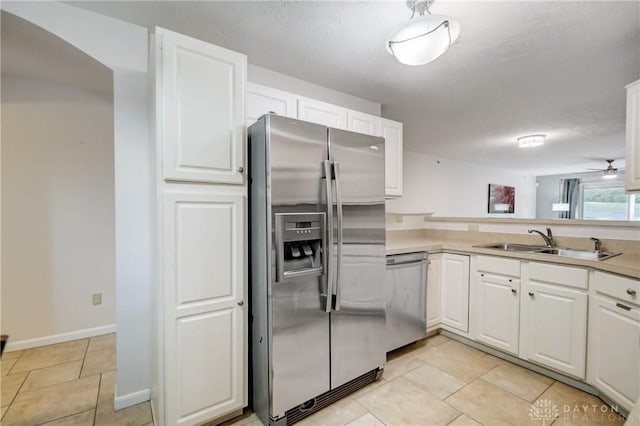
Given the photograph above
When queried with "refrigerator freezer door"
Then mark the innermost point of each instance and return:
(358, 323)
(300, 357)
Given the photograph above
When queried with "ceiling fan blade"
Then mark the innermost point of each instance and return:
(597, 170)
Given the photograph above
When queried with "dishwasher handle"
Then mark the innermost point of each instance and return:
(410, 262)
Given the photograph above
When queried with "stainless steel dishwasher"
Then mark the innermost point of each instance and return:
(406, 296)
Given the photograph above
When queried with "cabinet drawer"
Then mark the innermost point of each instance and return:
(616, 286)
(556, 274)
(498, 265)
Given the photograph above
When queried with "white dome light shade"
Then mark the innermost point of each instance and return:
(423, 40)
(531, 141)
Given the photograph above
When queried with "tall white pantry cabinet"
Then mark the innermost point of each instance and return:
(202, 202)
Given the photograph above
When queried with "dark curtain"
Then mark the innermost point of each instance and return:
(570, 193)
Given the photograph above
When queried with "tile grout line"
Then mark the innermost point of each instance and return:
(95, 410)
(61, 418)
(60, 383)
(52, 365)
(84, 358)
(17, 392)
(376, 417)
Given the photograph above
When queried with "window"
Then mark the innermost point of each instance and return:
(608, 202)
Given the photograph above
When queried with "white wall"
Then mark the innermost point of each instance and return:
(57, 210)
(454, 188)
(256, 74)
(122, 47)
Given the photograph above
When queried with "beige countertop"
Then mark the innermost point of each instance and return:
(624, 264)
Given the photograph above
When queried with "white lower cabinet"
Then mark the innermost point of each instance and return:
(433, 291)
(205, 317)
(495, 302)
(454, 307)
(614, 338)
(496, 311)
(554, 318)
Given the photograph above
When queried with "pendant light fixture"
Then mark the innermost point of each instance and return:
(423, 39)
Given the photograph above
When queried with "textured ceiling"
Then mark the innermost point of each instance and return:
(557, 68)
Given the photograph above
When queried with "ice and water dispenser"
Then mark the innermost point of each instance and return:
(300, 244)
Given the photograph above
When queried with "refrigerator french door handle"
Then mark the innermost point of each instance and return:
(336, 171)
(328, 255)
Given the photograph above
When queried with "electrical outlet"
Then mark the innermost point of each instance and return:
(97, 298)
(473, 227)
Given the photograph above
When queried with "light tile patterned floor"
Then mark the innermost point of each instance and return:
(436, 381)
(439, 381)
(70, 383)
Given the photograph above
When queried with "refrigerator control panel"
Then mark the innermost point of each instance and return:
(300, 244)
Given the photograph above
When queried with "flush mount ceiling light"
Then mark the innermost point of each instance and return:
(531, 141)
(423, 39)
(610, 172)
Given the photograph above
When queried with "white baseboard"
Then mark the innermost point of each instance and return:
(124, 401)
(59, 338)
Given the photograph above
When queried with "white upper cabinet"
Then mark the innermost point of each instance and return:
(322, 113)
(632, 162)
(262, 100)
(202, 89)
(363, 123)
(391, 131)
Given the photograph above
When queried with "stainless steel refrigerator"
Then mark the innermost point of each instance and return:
(317, 265)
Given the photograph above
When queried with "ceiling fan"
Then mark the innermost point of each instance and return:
(610, 172)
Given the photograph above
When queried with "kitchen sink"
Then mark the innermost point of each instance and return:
(580, 254)
(513, 247)
(555, 251)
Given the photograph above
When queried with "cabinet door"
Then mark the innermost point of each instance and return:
(391, 131)
(555, 327)
(201, 96)
(433, 291)
(632, 169)
(322, 113)
(614, 349)
(363, 123)
(497, 311)
(455, 291)
(262, 100)
(204, 312)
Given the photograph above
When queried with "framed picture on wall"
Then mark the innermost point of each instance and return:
(502, 199)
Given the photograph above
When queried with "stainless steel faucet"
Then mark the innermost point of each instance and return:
(598, 243)
(548, 239)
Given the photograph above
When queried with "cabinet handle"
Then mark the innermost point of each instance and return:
(240, 169)
(531, 294)
(482, 275)
(514, 291)
(625, 307)
(631, 292)
(240, 302)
